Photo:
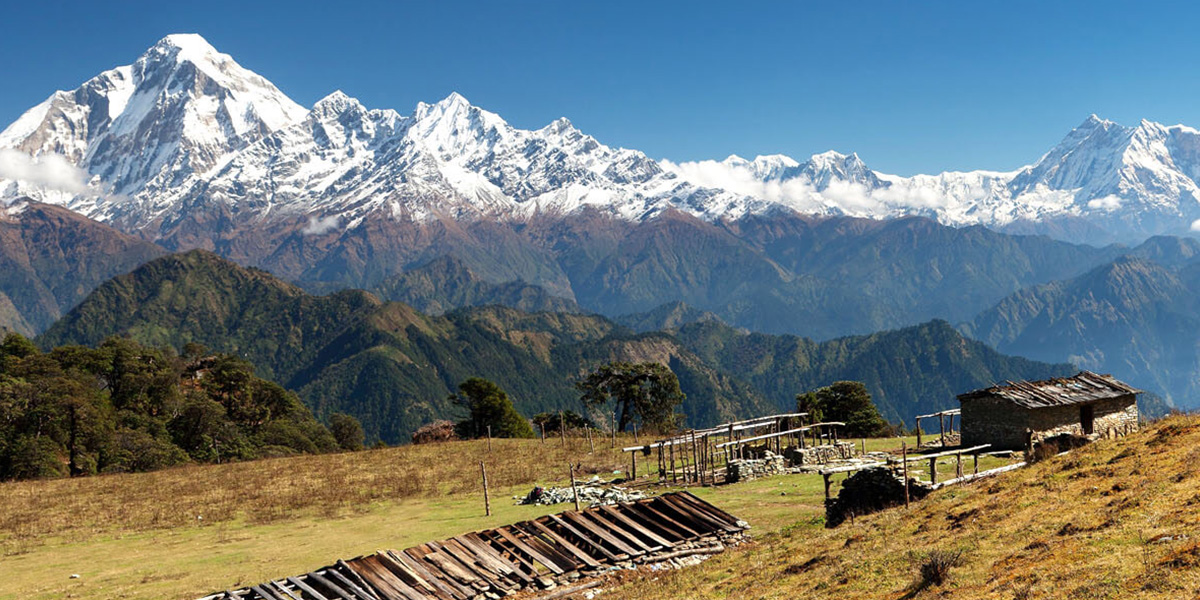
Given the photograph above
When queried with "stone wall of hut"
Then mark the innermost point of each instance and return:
(1003, 424)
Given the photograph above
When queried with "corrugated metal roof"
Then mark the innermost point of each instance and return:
(1061, 391)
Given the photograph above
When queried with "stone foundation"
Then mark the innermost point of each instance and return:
(752, 468)
(819, 455)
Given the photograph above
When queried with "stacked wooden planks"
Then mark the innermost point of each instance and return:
(529, 555)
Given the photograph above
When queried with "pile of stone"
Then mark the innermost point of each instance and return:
(592, 493)
(819, 455)
(868, 491)
(753, 468)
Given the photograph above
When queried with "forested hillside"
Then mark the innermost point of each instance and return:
(393, 366)
(122, 406)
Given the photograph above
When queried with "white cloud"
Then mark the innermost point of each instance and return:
(1109, 203)
(1195, 225)
(322, 225)
(49, 171)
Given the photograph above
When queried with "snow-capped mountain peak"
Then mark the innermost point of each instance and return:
(185, 128)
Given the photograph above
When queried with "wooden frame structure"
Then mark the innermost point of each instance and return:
(942, 428)
(530, 555)
(702, 456)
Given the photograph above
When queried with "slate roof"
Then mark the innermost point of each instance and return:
(1060, 391)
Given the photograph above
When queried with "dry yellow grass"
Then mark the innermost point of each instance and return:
(33, 513)
(1118, 519)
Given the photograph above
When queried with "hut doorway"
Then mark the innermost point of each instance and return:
(1087, 417)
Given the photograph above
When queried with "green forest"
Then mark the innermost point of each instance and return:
(121, 406)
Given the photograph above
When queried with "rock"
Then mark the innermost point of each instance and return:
(590, 494)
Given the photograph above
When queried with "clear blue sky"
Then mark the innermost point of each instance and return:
(911, 86)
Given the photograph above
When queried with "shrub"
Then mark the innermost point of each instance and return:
(437, 431)
(935, 569)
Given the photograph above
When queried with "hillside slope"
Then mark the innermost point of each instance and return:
(1133, 317)
(393, 366)
(50, 258)
(1112, 520)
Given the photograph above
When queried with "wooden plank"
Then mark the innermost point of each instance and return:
(352, 575)
(486, 550)
(431, 580)
(488, 572)
(577, 519)
(916, 457)
(705, 510)
(265, 593)
(547, 540)
(307, 588)
(635, 526)
(704, 523)
(712, 508)
(615, 528)
(381, 579)
(282, 588)
(662, 517)
(353, 586)
(331, 586)
(529, 551)
(663, 526)
(510, 553)
(452, 568)
(580, 535)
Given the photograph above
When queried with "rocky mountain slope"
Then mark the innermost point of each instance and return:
(393, 366)
(50, 258)
(1135, 317)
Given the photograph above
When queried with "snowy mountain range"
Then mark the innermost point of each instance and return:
(186, 131)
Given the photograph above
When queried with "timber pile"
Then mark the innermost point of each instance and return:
(541, 554)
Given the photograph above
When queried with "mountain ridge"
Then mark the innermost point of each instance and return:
(219, 141)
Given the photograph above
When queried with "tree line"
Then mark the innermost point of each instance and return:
(123, 406)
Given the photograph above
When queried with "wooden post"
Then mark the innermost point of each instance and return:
(942, 429)
(489, 438)
(825, 476)
(635, 434)
(487, 501)
(574, 488)
(614, 430)
(695, 459)
(591, 446)
(562, 428)
(904, 457)
(542, 425)
(918, 432)
(864, 447)
(933, 470)
(633, 465)
(976, 462)
(958, 465)
(671, 452)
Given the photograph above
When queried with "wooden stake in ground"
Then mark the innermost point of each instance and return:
(591, 446)
(487, 501)
(633, 465)
(574, 488)
(904, 457)
(489, 438)
(635, 435)
(542, 425)
(562, 428)
(614, 430)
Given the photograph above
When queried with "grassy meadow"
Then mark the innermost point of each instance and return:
(184, 532)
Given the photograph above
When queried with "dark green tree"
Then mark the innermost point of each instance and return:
(553, 420)
(648, 392)
(347, 431)
(488, 405)
(848, 402)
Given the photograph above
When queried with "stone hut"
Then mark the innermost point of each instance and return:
(1014, 415)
